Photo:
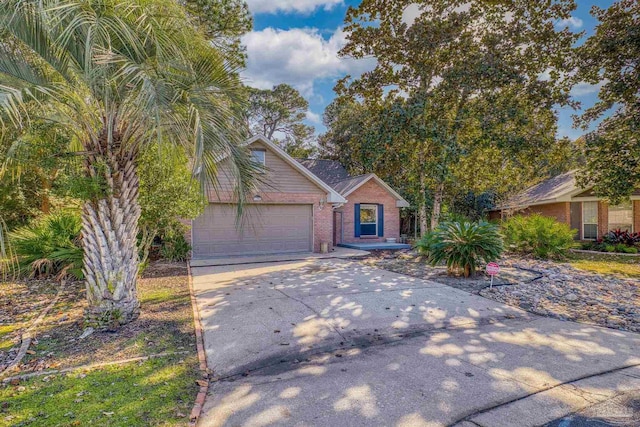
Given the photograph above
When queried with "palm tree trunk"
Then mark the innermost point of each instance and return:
(423, 205)
(109, 233)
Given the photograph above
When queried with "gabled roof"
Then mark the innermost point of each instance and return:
(334, 174)
(330, 171)
(332, 195)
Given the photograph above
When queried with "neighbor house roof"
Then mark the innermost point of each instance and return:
(334, 174)
(552, 190)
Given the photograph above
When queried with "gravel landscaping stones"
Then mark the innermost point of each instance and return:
(548, 288)
(567, 293)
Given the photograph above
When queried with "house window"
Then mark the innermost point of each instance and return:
(621, 217)
(259, 156)
(590, 220)
(368, 220)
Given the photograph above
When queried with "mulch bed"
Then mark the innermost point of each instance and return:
(165, 323)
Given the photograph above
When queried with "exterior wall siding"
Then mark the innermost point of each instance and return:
(372, 193)
(280, 176)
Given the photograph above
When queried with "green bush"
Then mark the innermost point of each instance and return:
(50, 247)
(175, 246)
(541, 236)
(462, 245)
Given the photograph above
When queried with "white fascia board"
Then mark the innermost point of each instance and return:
(400, 201)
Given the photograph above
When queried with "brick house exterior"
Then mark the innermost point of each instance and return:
(561, 198)
(369, 193)
(361, 191)
(291, 209)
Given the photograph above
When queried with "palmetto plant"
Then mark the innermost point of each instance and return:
(462, 245)
(50, 247)
(120, 74)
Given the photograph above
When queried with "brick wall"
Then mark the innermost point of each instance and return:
(372, 193)
(561, 211)
(603, 218)
(636, 215)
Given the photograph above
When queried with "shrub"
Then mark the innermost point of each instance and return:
(462, 245)
(50, 247)
(175, 246)
(619, 237)
(538, 235)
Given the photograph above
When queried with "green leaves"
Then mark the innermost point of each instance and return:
(611, 59)
(458, 81)
(462, 245)
(538, 235)
(50, 247)
(281, 111)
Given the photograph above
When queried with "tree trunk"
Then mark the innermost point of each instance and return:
(109, 237)
(437, 205)
(423, 206)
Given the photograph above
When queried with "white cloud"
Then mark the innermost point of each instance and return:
(290, 6)
(572, 22)
(584, 88)
(298, 57)
(314, 117)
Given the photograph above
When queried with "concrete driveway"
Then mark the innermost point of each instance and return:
(331, 342)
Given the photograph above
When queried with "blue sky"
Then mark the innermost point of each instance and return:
(296, 42)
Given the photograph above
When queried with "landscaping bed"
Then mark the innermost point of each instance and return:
(565, 290)
(157, 391)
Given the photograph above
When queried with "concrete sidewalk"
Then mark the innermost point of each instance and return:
(334, 342)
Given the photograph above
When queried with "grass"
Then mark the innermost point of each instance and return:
(157, 392)
(620, 265)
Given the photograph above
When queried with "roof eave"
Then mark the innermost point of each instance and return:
(332, 195)
(400, 201)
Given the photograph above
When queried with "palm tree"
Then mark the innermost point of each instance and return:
(120, 74)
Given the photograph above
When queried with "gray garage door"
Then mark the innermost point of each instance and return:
(265, 229)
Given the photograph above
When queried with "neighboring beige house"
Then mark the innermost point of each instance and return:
(294, 210)
(561, 198)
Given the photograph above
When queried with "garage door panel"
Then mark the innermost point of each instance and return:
(264, 229)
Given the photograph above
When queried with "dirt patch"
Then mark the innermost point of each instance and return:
(165, 323)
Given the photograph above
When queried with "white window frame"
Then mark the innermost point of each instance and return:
(262, 161)
(375, 210)
(609, 217)
(590, 223)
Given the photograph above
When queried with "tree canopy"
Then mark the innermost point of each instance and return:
(279, 114)
(119, 75)
(610, 58)
(456, 79)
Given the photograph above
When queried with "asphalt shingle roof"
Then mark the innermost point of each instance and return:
(329, 171)
(547, 190)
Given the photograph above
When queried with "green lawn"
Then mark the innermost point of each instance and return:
(626, 266)
(158, 392)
